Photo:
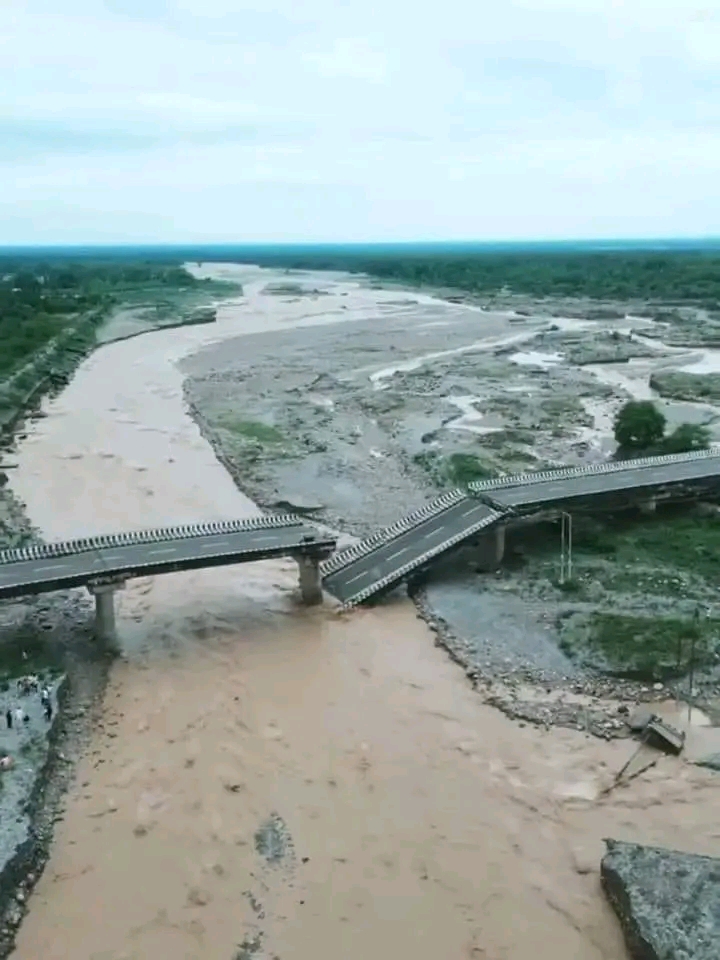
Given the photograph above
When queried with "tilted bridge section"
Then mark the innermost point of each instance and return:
(356, 573)
(389, 556)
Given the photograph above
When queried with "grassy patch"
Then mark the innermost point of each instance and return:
(686, 386)
(653, 583)
(27, 652)
(567, 409)
(686, 543)
(251, 429)
(464, 468)
(643, 648)
(457, 469)
(500, 439)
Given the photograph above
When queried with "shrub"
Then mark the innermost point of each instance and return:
(688, 436)
(639, 425)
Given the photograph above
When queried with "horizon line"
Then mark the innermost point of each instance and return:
(325, 244)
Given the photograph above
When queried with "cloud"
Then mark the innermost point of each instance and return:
(370, 118)
(352, 58)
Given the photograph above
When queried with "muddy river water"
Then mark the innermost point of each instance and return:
(270, 782)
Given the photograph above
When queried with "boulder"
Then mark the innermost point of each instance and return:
(668, 902)
(711, 761)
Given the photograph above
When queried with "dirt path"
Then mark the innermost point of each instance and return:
(308, 785)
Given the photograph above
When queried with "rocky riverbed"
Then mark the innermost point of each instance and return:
(357, 423)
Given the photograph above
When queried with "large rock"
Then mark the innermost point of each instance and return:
(668, 902)
(711, 761)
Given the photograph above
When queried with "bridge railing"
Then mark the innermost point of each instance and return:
(67, 548)
(356, 550)
(567, 473)
(400, 573)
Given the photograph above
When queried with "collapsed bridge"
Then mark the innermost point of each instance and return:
(389, 556)
(365, 569)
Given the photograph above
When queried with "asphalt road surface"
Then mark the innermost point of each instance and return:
(411, 547)
(141, 559)
(594, 484)
(381, 567)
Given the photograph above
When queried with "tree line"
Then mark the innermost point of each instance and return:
(39, 299)
(672, 277)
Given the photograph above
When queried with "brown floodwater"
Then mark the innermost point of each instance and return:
(273, 782)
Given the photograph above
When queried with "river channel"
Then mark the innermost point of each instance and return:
(271, 782)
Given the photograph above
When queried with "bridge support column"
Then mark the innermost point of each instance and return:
(499, 534)
(648, 506)
(492, 549)
(310, 583)
(105, 629)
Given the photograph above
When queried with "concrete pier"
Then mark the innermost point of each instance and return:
(499, 543)
(491, 549)
(310, 583)
(105, 629)
(648, 506)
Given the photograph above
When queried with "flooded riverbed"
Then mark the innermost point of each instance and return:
(273, 782)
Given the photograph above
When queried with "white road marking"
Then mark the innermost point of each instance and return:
(433, 533)
(51, 566)
(358, 576)
(156, 553)
(211, 546)
(398, 553)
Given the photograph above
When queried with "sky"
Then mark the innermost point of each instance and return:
(241, 121)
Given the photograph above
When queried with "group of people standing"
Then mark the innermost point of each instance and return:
(27, 685)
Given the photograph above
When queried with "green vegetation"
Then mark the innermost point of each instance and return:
(686, 386)
(645, 648)
(51, 311)
(41, 300)
(464, 468)
(639, 425)
(251, 429)
(670, 555)
(457, 469)
(630, 608)
(27, 652)
(686, 437)
(675, 277)
(689, 543)
(640, 428)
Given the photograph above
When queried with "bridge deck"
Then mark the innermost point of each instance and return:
(366, 568)
(388, 563)
(390, 555)
(63, 565)
(604, 480)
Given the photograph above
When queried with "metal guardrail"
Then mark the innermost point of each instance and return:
(357, 550)
(401, 572)
(567, 473)
(107, 541)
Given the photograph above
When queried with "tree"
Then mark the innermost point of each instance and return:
(639, 425)
(688, 436)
